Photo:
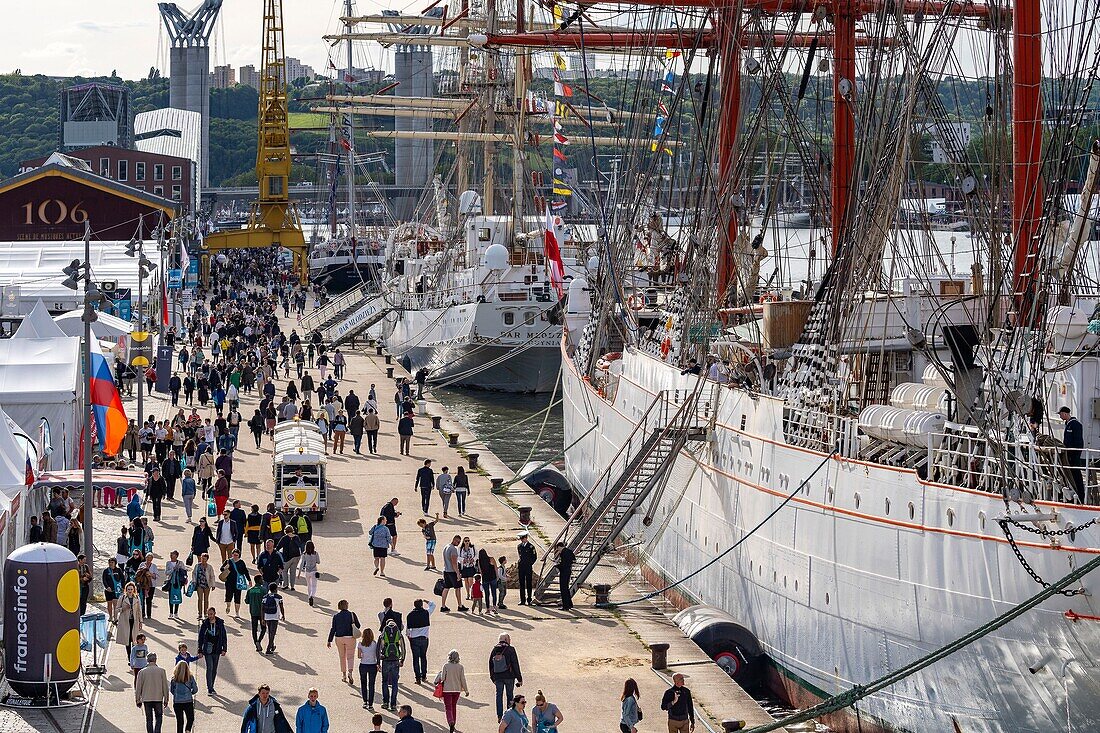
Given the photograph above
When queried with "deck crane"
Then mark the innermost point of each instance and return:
(273, 220)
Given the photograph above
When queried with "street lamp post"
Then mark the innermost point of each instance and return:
(136, 248)
(82, 271)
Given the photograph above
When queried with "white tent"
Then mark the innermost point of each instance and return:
(105, 328)
(38, 324)
(40, 377)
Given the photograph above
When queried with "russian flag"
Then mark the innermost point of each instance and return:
(110, 418)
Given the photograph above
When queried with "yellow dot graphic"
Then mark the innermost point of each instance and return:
(68, 591)
(68, 651)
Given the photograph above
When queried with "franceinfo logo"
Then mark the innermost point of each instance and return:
(20, 601)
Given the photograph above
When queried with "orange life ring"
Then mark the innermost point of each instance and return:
(768, 298)
(635, 303)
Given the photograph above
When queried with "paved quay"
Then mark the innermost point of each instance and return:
(579, 659)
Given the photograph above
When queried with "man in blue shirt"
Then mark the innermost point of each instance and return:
(312, 716)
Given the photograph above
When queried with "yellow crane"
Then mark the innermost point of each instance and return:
(273, 220)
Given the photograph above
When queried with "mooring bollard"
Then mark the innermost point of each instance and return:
(731, 725)
(525, 515)
(603, 594)
(389, 372)
(389, 358)
(452, 440)
(378, 350)
(659, 655)
(497, 485)
(472, 458)
(435, 421)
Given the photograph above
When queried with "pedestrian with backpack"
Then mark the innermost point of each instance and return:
(391, 652)
(272, 607)
(504, 671)
(380, 545)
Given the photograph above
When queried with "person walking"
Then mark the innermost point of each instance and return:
(425, 482)
(128, 620)
(504, 671)
(255, 598)
(221, 490)
(467, 564)
(172, 472)
(175, 580)
(678, 704)
(488, 570)
(453, 680)
(264, 714)
(312, 716)
(139, 655)
(389, 511)
(631, 712)
(344, 629)
(405, 433)
(564, 559)
(367, 651)
(156, 487)
(380, 545)
(188, 489)
(234, 573)
(528, 556)
(452, 571)
(252, 523)
(391, 653)
(203, 579)
(444, 484)
(113, 580)
(545, 715)
(151, 692)
(371, 426)
(356, 428)
(201, 538)
(418, 625)
(515, 719)
(273, 610)
(311, 559)
(462, 490)
(290, 549)
(213, 645)
(270, 563)
(226, 533)
(183, 688)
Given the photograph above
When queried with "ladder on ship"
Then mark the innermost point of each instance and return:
(593, 527)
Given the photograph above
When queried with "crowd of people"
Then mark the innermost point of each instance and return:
(234, 350)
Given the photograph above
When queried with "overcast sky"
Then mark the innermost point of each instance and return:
(94, 37)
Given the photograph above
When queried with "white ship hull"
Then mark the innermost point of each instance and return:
(866, 570)
(469, 345)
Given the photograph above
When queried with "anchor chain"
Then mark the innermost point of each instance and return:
(1023, 561)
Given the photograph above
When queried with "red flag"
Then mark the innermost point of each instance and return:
(559, 154)
(552, 252)
(164, 301)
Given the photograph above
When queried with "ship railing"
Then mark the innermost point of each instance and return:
(1022, 470)
(334, 308)
(821, 431)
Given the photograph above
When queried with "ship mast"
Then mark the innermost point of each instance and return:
(1027, 138)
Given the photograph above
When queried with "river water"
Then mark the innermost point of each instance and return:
(492, 417)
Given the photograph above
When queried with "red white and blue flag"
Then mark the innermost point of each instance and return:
(110, 418)
(552, 250)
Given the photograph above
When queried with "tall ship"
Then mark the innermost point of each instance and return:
(470, 289)
(843, 446)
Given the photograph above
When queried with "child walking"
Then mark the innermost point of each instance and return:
(428, 530)
(477, 593)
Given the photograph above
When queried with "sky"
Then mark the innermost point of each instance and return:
(94, 37)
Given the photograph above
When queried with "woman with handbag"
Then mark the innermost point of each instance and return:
(234, 573)
(545, 715)
(201, 538)
(310, 560)
(206, 471)
(449, 684)
(202, 578)
(174, 582)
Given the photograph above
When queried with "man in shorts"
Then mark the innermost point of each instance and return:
(451, 574)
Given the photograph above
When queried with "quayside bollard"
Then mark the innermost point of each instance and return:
(389, 358)
(525, 515)
(497, 485)
(731, 725)
(389, 372)
(659, 655)
(452, 440)
(603, 594)
(378, 350)
(435, 421)
(472, 458)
